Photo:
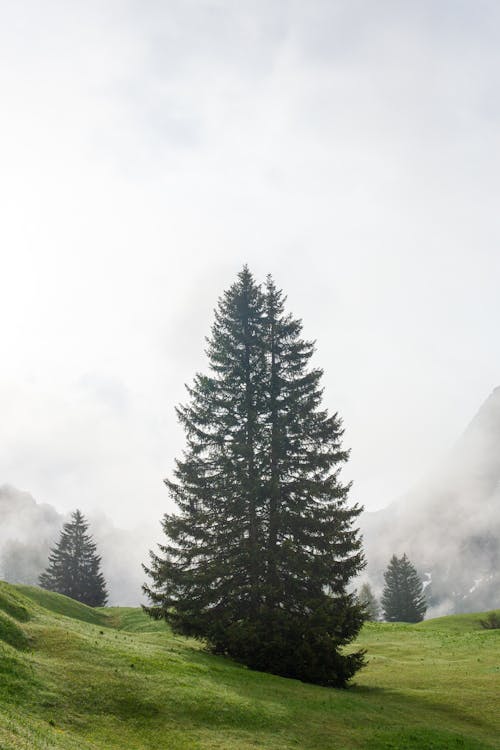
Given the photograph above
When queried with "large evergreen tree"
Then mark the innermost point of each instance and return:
(261, 548)
(403, 598)
(74, 566)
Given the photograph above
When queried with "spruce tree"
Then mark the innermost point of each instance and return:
(403, 598)
(209, 574)
(74, 566)
(313, 549)
(368, 601)
(261, 547)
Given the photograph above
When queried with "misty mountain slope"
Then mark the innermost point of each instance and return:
(450, 524)
(29, 529)
(77, 678)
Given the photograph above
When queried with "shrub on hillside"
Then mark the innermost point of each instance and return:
(491, 621)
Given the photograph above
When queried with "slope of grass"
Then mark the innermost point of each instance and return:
(11, 633)
(12, 604)
(456, 623)
(115, 679)
(62, 605)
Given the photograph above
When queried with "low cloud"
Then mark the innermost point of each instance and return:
(449, 525)
(29, 530)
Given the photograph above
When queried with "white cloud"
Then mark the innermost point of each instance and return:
(147, 151)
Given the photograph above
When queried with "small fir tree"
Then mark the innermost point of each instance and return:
(368, 601)
(261, 548)
(403, 598)
(74, 566)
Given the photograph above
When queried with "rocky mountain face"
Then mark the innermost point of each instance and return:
(449, 525)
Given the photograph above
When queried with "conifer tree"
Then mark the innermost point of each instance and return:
(209, 574)
(368, 601)
(313, 549)
(261, 548)
(403, 598)
(74, 566)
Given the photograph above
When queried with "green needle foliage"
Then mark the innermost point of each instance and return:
(403, 599)
(74, 566)
(262, 546)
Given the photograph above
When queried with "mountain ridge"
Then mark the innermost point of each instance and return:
(449, 524)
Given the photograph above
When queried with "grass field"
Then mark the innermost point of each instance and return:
(76, 678)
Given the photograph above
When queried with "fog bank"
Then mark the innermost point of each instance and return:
(449, 525)
(29, 529)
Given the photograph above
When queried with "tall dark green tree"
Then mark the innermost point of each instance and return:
(206, 579)
(261, 547)
(313, 550)
(74, 565)
(403, 598)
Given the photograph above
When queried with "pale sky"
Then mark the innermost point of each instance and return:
(149, 149)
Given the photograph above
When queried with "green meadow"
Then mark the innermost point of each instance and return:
(76, 678)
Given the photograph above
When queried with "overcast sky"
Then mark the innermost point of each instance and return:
(149, 149)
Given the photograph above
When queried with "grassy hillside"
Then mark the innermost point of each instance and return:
(76, 678)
